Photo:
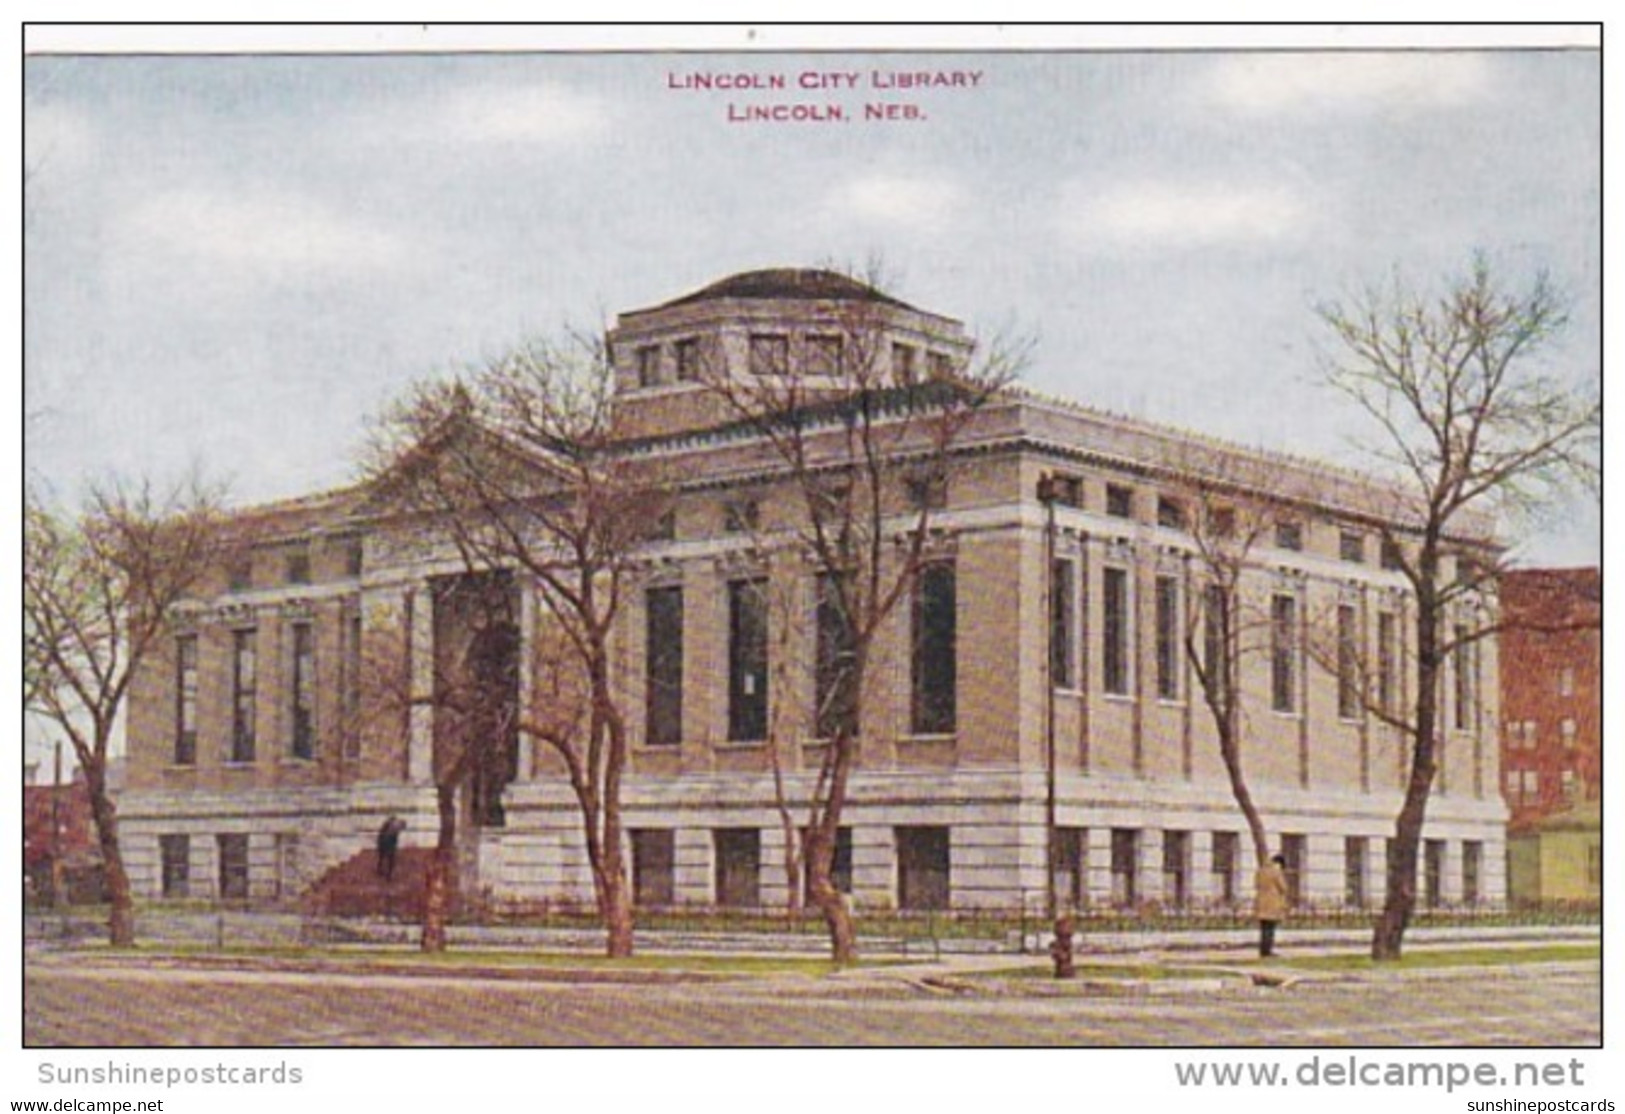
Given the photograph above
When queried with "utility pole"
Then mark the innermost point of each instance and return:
(1047, 495)
(1061, 944)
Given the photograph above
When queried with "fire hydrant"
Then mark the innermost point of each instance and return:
(1060, 949)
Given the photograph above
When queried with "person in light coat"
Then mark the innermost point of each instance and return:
(1271, 901)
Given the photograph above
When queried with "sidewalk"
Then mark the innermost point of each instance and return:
(1187, 963)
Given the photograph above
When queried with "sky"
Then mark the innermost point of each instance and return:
(233, 262)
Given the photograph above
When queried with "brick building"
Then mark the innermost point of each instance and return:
(60, 856)
(1551, 690)
(255, 764)
(1551, 736)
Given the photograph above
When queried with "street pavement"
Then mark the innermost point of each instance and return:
(1219, 996)
(147, 1007)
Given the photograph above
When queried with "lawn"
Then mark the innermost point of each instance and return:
(481, 958)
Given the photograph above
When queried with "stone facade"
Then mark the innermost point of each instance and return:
(953, 814)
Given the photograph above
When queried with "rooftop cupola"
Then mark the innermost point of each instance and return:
(821, 331)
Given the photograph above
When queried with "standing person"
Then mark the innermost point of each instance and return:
(389, 841)
(1270, 902)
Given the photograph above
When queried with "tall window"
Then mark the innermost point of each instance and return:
(1168, 638)
(1226, 860)
(1170, 513)
(297, 565)
(1063, 631)
(903, 370)
(352, 687)
(835, 685)
(1114, 631)
(1283, 653)
(1295, 850)
(823, 355)
(1125, 867)
(1348, 663)
(175, 855)
(663, 664)
(186, 700)
(1119, 501)
(1176, 865)
(303, 691)
(233, 851)
(1216, 636)
(769, 354)
(1387, 662)
(935, 644)
(243, 685)
(688, 360)
(1462, 666)
(1071, 866)
(924, 868)
(1354, 871)
(1433, 852)
(739, 866)
(648, 358)
(1351, 546)
(1472, 870)
(1289, 535)
(654, 855)
(747, 660)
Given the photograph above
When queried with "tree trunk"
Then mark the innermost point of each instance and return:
(615, 904)
(1387, 938)
(818, 861)
(1229, 748)
(121, 904)
(438, 884)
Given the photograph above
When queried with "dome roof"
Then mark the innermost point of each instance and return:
(799, 283)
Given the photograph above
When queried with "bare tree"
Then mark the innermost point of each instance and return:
(865, 449)
(1229, 510)
(1473, 424)
(517, 465)
(98, 586)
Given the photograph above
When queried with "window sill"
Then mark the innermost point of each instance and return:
(1119, 697)
(741, 744)
(928, 739)
(239, 764)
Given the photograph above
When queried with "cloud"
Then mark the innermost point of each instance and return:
(531, 113)
(264, 232)
(485, 113)
(1302, 84)
(1179, 215)
(898, 199)
(56, 140)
